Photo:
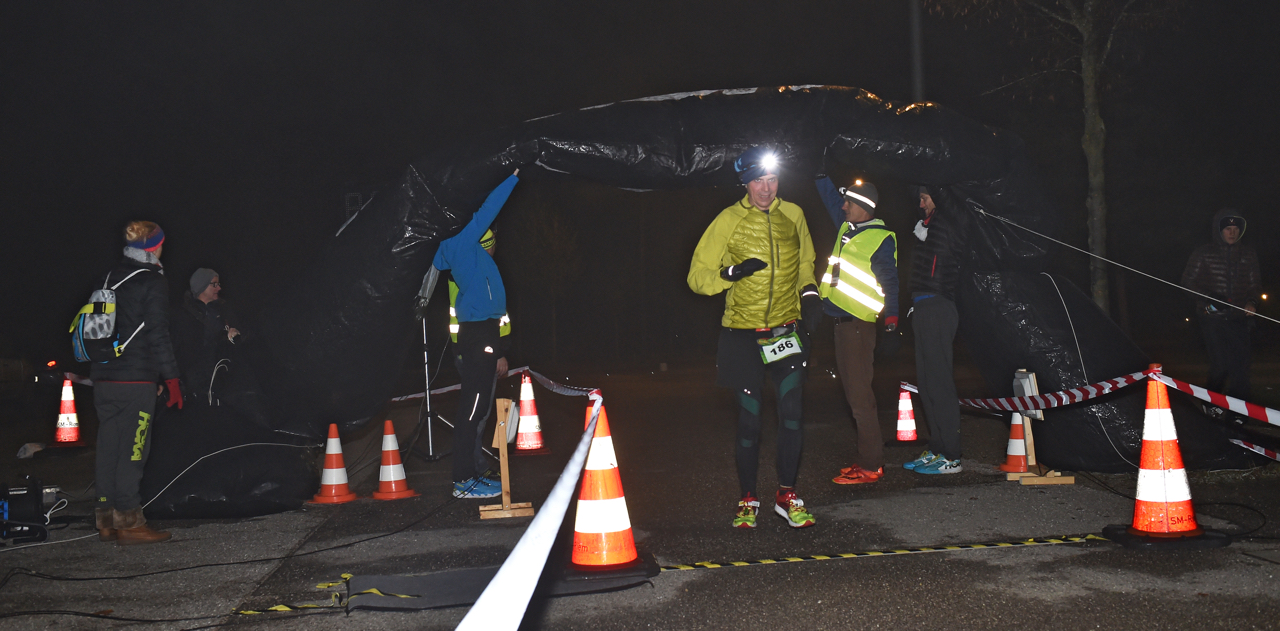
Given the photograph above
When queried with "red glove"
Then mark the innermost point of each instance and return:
(891, 323)
(175, 393)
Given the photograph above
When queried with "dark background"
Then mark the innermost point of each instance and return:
(241, 127)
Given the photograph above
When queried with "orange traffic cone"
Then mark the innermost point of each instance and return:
(333, 480)
(1016, 455)
(1163, 517)
(1163, 504)
(906, 416)
(529, 430)
(391, 482)
(68, 431)
(602, 530)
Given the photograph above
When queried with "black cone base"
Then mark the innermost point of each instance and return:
(1207, 540)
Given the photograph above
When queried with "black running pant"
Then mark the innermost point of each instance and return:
(477, 357)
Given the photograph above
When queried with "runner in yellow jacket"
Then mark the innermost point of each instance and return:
(759, 251)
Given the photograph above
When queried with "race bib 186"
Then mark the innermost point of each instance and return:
(773, 349)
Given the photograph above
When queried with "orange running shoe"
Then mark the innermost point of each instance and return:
(858, 475)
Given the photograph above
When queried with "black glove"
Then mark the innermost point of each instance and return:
(742, 270)
(888, 343)
(810, 308)
(420, 308)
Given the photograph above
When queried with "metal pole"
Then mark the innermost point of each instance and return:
(426, 390)
(917, 54)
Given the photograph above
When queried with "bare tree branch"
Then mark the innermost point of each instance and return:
(1115, 27)
(1029, 77)
(1072, 12)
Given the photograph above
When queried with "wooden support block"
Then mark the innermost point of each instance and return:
(506, 508)
(497, 511)
(1017, 476)
(1039, 480)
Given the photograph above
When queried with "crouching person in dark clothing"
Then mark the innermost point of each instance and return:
(125, 388)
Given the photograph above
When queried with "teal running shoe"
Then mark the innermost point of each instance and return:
(940, 466)
(925, 457)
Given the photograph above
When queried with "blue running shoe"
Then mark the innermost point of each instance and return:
(925, 457)
(939, 466)
(477, 488)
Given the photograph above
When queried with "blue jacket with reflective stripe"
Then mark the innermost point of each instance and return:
(481, 295)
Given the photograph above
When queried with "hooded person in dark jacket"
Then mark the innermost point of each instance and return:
(125, 388)
(1227, 271)
(935, 269)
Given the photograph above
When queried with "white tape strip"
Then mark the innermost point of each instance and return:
(503, 603)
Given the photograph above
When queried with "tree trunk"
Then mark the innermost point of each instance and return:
(1094, 145)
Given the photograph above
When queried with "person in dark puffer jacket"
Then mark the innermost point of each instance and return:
(125, 388)
(935, 269)
(1226, 270)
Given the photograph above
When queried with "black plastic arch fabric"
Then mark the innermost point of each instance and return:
(335, 340)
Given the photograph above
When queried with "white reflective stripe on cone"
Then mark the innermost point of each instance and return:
(1017, 447)
(67, 420)
(601, 455)
(391, 473)
(1163, 486)
(602, 516)
(333, 476)
(389, 443)
(333, 446)
(1158, 425)
(529, 424)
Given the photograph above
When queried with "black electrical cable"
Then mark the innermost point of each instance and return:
(322, 612)
(100, 616)
(19, 571)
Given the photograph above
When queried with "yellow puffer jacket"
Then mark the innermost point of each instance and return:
(771, 296)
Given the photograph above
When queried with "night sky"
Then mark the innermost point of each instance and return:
(239, 126)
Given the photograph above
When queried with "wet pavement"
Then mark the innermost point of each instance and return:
(673, 433)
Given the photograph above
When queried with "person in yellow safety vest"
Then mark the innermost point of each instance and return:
(759, 251)
(859, 285)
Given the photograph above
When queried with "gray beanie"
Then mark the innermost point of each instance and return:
(201, 279)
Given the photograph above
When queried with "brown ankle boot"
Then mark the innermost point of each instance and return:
(131, 528)
(102, 518)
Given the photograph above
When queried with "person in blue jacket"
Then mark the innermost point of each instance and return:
(481, 303)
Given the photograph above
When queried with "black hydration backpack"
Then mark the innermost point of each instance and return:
(93, 330)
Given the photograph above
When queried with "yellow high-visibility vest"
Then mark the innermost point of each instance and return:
(849, 282)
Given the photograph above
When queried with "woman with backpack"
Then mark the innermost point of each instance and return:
(125, 386)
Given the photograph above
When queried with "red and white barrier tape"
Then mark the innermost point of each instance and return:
(1057, 399)
(1251, 410)
(1077, 395)
(1262, 450)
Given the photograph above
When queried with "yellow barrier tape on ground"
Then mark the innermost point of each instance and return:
(876, 553)
(345, 578)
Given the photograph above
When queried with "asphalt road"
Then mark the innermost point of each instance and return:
(673, 433)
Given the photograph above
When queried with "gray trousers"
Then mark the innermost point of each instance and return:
(125, 412)
(934, 322)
